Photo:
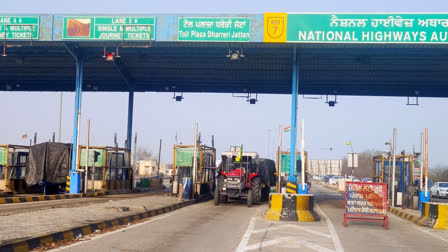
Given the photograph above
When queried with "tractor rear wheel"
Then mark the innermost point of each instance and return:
(256, 190)
(219, 186)
(249, 198)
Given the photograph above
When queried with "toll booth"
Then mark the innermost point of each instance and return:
(13, 160)
(183, 156)
(405, 193)
(283, 165)
(109, 169)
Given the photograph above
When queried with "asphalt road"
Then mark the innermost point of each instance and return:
(235, 228)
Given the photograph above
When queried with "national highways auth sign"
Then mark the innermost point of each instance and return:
(356, 28)
(366, 201)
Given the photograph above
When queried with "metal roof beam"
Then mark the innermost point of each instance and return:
(124, 74)
(73, 50)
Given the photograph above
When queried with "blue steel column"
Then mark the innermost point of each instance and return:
(295, 85)
(130, 114)
(75, 183)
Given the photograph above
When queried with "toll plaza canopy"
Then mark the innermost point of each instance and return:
(336, 54)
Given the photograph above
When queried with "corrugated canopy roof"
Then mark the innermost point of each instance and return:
(341, 69)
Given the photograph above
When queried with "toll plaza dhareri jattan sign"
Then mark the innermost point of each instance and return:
(214, 29)
(135, 28)
(366, 202)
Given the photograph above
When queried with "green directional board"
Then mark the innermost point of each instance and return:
(285, 162)
(2, 156)
(19, 27)
(98, 163)
(135, 28)
(184, 156)
(214, 29)
(367, 28)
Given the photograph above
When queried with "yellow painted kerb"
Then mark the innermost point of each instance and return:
(275, 27)
(276, 208)
(442, 218)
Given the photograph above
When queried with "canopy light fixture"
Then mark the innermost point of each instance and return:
(332, 103)
(110, 56)
(235, 55)
(249, 97)
(414, 102)
(178, 98)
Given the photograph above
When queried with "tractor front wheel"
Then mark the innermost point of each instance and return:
(256, 190)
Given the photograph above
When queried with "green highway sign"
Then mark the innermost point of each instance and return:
(135, 28)
(213, 29)
(19, 27)
(184, 156)
(285, 162)
(98, 163)
(367, 28)
(2, 155)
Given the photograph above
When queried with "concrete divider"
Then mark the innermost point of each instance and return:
(291, 207)
(24, 199)
(435, 215)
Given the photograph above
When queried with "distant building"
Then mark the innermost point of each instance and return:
(326, 167)
(166, 169)
(150, 167)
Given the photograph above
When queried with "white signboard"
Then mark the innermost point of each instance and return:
(352, 159)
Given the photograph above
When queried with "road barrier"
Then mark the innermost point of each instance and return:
(435, 215)
(366, 202)
(291, 207)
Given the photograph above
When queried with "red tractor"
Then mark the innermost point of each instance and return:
(239, 179)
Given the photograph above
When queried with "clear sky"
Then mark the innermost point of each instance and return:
(366, 121)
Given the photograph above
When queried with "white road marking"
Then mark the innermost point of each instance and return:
(314, 247)
(245, 239)
(262, 230)
(270, 243)
(119, 230)
(334, 236)
(307, 229)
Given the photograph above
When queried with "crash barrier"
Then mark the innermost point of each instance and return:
(366, 202)
(404, 178)
(291, 207)
(183, 156)
(13, 159)
(44, 168)
(108, 169)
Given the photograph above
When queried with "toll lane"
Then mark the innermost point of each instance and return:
(235, 227)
